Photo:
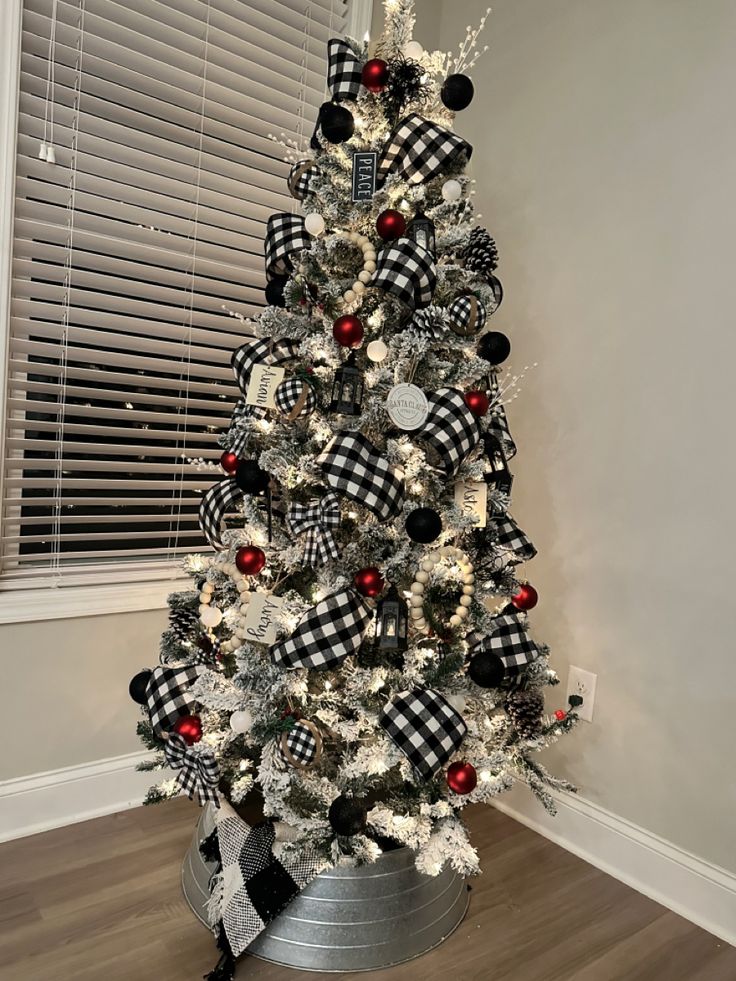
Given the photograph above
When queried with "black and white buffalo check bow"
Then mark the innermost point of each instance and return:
(344, 70)
(318, 519)
(406, 270)
(418, 150)
(167, 695)
(300, 177)
(198, 772)
(220, 499)
(354, 468)
(451, 431)
(255, 885)
(261, 350)
(509, 641)
(425, 727)
(285, 235)
(513, 539)
(326, 634)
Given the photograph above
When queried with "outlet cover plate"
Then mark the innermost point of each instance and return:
(581, 682)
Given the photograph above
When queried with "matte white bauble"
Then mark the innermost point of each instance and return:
(377, 351)
(241, 721)
(413, 49)
(452, 191)
(314, 223)
(211, 616)
(458, 702)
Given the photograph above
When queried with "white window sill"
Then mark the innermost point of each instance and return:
(32, 603)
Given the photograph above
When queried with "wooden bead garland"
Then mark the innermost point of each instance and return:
(416, 601)
(369, 265)
(205, 597)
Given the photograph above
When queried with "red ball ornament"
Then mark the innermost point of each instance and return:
(369, 582)
(189, 727)
(348, 331)
(527, 597)
(560, 715)
(250, 560)
(229, 462)
(390, 224)
(478, 402)
(461, 778)
(375, 75)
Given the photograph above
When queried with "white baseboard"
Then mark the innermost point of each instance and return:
(703, 893)
(76, 793)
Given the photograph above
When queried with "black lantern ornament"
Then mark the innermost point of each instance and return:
(421, 231)
(392, 621)
(347, 389)
(499, 474)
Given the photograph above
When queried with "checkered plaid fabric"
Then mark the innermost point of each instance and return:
(420, 150)
(167, 695)
(326, 634)
(285, 235)
(354, 468)
(317, 519)
(513, 539)
(451, 431)
(509, 641)
(256, 886)
(295, 397)
(467, 314)
(237, 433)
(300, 177)
(344, 70)
(198, 772)
(260, 350)
(425, 727)
(302, 744)
(407, 270)
(215, 504)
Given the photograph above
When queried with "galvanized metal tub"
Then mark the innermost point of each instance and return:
(348, 919)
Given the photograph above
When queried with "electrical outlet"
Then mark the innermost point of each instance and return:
(582, 683)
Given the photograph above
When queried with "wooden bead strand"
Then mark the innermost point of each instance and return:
(241, 584)
(416, 601)
(369, 265)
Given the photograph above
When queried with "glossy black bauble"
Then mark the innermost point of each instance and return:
(486, 670)
(138, 685)
(494, 347)
(348, 815)
(423, 525)
(336, 122)
(275, 291)
(250, 478)
(457, 92)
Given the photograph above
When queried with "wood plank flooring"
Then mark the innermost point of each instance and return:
(101, 901)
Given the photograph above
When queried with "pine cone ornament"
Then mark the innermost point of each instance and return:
(525, 710)
(480, 255)
(433, 321)
(183, 623)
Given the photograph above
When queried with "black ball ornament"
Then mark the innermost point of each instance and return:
(336, 122)
(486, 670)
(275, 291)
(250, 478)
(138, 685)
(423, 525)
(348, 815)
(494, 347)
(457, 92)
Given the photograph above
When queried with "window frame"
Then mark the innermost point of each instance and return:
(104, 588)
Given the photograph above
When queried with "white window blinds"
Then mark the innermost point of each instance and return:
(128, 253)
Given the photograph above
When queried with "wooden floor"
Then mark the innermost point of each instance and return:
(101, 902)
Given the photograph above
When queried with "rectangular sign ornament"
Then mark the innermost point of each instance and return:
(263, 382)
(471, 496)
(364, 175)
(261, 620)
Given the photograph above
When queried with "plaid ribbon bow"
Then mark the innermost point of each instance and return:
(317, 519)
(215, 504)
(419, 150)
(353, 467)
(407, 270)
(344, 70)
(198, 769)
(285, 235)
(509, 641)
(326, 634)
(451, 431)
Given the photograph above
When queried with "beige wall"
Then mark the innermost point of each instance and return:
(605, 150)
(66, 688)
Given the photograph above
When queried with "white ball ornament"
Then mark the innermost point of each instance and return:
(241, 721)
(211, 616)
(377, 351)
(413, 49)
(314, 223)
(458, 702)
(452, 191)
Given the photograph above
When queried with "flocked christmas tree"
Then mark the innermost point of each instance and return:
(356, 648)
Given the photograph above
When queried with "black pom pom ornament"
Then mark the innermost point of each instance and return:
(138, 685)
(250, 478)
(348, 815)
(457, 92)
(336, 122)
(275, 291)
(423, 525)
(486, 670)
